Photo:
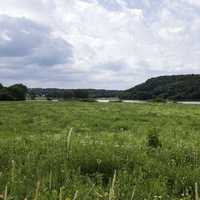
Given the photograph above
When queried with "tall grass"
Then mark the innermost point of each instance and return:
(114, 151)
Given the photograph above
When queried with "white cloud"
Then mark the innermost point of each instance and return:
(192, 2)
(145, 38)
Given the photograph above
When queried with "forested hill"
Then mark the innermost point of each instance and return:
(176, 87)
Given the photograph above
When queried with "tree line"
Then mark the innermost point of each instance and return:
(18, 92)
(15, 92)
(54, 93)
(176, 87)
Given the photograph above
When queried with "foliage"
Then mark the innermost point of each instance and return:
(105, 155)
(15, 92)
(81, 94)
(18, 91)
(159, 100)
(180, 87)
(5, 94)
(153, 140)
(68, 94)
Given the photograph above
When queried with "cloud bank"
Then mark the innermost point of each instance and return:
(112, 44)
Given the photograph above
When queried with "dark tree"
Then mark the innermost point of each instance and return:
(68, 94)
(5, 95)
(18, 91)
(81, 94)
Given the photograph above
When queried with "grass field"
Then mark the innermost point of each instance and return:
(93, 151)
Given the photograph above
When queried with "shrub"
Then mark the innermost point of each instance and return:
(153, 140)
(159, 100)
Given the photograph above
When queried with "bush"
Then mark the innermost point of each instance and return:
(159, 100)
(153, 140)
(88, 100)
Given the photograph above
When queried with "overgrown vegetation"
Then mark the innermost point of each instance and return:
(114, 151)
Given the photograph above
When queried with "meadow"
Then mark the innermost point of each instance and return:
(96, 151)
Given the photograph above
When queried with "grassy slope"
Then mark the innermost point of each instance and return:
(106, 137)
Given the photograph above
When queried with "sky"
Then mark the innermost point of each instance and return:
(110, 44)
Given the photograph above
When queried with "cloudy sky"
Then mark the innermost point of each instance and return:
(112, 44)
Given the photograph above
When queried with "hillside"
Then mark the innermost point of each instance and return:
(176, 87)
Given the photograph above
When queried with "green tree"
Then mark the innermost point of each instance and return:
(68, 94)
(81, 94)
(5, 94)
(18, 91)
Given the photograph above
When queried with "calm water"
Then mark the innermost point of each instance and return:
(181, 102)
(190, 102)
(133, 101)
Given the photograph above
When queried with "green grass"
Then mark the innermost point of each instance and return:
(40, 160)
